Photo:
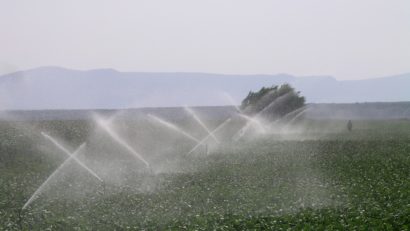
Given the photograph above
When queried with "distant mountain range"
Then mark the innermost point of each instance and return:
(60, 88)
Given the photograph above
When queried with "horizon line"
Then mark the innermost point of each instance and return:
(203, 73)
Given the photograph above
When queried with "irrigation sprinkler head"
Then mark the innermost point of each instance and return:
(202, 142)
(20, 218)
(39, 189)
(62, 148)
(106, 127)
(200, 122)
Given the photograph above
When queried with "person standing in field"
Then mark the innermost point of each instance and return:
(349, 126)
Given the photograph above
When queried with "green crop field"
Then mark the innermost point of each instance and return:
(321, 177)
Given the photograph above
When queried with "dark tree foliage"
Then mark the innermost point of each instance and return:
(273, 102)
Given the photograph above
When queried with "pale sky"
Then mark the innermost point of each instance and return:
(347, 39)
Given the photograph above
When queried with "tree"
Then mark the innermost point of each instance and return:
(273, 102)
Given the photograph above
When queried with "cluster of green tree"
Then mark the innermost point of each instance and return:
(273, 102)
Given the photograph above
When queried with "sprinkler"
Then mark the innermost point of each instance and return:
(20, 220)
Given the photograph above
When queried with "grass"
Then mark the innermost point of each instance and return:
(320, 179)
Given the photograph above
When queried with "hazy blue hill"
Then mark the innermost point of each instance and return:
(60, 88)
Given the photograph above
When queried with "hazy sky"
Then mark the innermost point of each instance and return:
(348, 39)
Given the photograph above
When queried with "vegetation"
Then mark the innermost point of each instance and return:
(326, 178)
(273, 101)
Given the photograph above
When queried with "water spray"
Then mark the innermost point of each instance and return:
(39, 189)
(173, 127)
(232, 101)
(299, 114)
(241, 132)
(62, 148)
(209, 136)
(290, 114)
(254, 121)
(241, 114)
(120, 141)
(193, 114)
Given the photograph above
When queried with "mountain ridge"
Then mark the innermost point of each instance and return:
(53, 87)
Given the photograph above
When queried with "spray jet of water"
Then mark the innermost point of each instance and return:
(241, 132)
(292, 114)
(251, 120)
(70, 155)
(40, 189)
(232, 101)
(193, 114)
(173, 127)
(254, 121)
(295, 117)
(103, 124)
(210, 135)
(277, 101)
(265, 98)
